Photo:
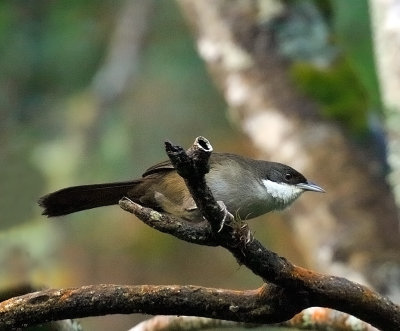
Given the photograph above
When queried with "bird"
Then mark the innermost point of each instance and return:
(248, 188)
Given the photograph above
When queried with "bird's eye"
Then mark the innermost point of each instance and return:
(288, 176)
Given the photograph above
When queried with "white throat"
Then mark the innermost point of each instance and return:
(283, 194)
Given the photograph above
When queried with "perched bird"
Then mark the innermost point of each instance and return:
(248, 188)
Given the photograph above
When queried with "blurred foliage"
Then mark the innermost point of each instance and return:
(333, 59)
(54, 133)
(337, 90)
(352, 32)
(325, 8)
(49, 49)
(304, 35)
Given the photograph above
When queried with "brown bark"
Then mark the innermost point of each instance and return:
(289, 290)
(262, 306)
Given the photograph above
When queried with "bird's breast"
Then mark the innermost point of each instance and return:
(242, 196)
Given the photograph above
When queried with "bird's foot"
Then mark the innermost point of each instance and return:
(245, 235)
(227, 215)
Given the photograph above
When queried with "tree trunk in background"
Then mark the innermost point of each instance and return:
(352, 230)
(385, 16)
(119, 69)
(85, 113)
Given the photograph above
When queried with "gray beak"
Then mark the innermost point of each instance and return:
(309, 186)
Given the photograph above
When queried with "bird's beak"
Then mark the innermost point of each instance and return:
(309, 186)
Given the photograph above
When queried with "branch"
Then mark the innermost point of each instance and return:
(308, 288)
(290, 288)
(192, 166)
(322, 319)
(24, 288)
(186, 323)
(325, 319)
(266, 305)
(197, 233)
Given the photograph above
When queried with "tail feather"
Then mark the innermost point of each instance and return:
(72, 199)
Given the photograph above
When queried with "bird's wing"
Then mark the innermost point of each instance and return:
(167, 166)
(159, 167)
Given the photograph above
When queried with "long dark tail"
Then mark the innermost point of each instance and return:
(72, 199)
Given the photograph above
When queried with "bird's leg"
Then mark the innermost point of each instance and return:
(240, 227)
(227, 215)
(242, 230)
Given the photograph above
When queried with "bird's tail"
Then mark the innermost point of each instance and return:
(72, 199)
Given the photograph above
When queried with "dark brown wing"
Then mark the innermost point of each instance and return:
(216, 158)
(159, 167)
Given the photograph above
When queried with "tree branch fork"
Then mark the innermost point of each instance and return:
(288, 289)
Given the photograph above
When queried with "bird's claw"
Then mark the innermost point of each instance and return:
(246, 235)
(227, 215)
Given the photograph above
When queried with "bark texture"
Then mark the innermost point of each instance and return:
(288, 289)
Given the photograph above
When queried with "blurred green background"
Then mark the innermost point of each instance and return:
(59, 128)
(52, 134)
